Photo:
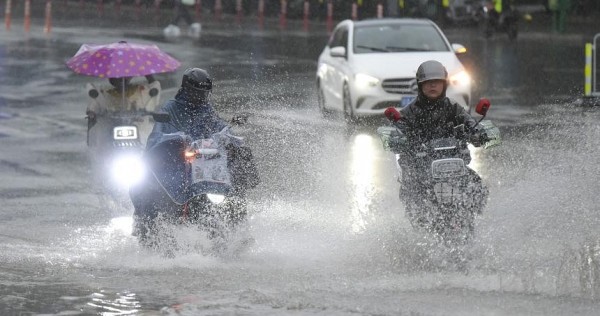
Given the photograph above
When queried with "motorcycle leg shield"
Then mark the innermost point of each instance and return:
(243, 169)
(479, 192)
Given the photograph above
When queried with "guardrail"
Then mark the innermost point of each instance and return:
(8, 10)
(592, 50)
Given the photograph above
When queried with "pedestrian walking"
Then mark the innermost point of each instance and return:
(559, 10)
(180, 11)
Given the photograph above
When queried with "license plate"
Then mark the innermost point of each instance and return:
(406, 100)
(210, 169)
(447, 168)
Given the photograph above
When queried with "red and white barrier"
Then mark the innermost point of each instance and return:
(238, 11)
(218, 9)
(380, 11)
(157, 10)
(27, 15)
(283, 14)
(118, 6)
(8, 10)
(198, 10)
(100, 8)
(8, 14)
(306, 15)
(48, 17)
(261, 13)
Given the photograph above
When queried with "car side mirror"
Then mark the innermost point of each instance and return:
(483, 106)
(161, 117)
(338, 51)
(459, 49)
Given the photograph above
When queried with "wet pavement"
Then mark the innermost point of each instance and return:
(331, 238)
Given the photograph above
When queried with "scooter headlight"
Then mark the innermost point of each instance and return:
(128, 170)
(216, 198)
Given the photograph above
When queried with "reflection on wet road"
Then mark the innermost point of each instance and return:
(330, 236)
(363, 182)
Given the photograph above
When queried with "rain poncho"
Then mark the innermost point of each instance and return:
(424, 120)
(197, 121)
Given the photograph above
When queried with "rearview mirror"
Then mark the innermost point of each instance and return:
(338, 51)
(458, 48)
(392, 114)
(483, 106)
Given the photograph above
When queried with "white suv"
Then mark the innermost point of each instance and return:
(368, 66)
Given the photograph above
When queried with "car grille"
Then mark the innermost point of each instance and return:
(400, 86)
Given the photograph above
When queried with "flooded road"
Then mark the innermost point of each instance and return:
(330, 232)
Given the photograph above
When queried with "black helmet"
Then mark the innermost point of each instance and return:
(196, 84)
(431, 70)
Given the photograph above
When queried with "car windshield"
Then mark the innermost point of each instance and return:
(398, 38)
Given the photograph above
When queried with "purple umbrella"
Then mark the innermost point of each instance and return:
(121, 59)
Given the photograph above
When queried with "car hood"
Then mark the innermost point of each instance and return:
(401, 65)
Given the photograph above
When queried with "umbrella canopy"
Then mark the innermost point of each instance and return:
(121, 59)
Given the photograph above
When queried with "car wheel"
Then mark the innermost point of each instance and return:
(348, 112)
(321, 100)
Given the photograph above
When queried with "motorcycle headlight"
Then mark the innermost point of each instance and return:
(216, 198)
(365, 81)
(128, 170)
(460, 79)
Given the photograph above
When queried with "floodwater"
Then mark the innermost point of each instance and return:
(330, 235)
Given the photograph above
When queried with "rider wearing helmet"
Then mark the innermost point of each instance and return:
(190, 111)
(432, 114)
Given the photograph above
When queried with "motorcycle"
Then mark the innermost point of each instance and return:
(489, 21)
(441, 194)
(199, 183)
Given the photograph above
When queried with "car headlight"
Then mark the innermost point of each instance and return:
(460, 79)
(365, 81)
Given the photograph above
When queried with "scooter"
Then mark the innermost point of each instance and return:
(441, 194)
(117, 132)
(120, 155)
(198, 183)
